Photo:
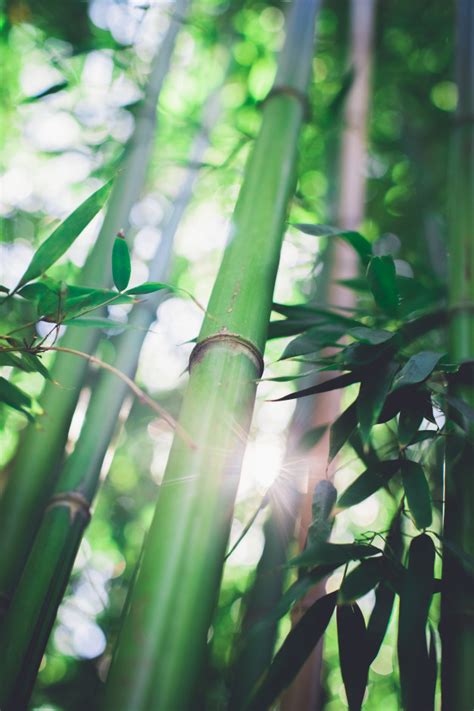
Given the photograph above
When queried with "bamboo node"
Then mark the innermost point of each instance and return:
(236, 343)
(74, 501)
(290, 91)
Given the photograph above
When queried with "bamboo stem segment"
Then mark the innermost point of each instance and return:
(162, 643)
(457, 619)
(39, 458)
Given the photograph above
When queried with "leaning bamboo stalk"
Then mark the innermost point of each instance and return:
(457, 622)
(163, 639)
(41, 450)
(339, 263)
(33, 610)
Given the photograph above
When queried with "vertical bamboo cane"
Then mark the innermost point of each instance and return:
(33, 610)
(457, 619)
(32, 479)
(339, 263)
(163, 639)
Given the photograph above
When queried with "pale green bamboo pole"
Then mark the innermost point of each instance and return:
(162, 643)
(41, 587)
(339, 262)
(457, 618)
(41, 449)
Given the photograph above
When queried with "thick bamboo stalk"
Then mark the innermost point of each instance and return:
(162, 643)
(40, 590)
(339, 263)
(33, 477)
(457, 620)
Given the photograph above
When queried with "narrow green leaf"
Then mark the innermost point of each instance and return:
(368, 483)
(361, 580)
(353, 656)
(121, 265)
(333, 554)
(311, 438)
(324, 498)
(15, 398)
(382, 280)
(293, 653)
(409, 422)
(373, 391)
(417, 492)
(384, 595)
(417, 368)
(95, 323)
(370, 335)
(415, 600)
(341, 430)
(422, 437)
(46, 92)
(313, 339)
(148, 288)
(341, 381)
(462, 407)
(64, 235)
(35, 364)
(361, 245)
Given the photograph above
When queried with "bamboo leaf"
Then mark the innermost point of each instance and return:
(148, 287)
(293, 653)
(384, 594)
(35, 364)
(361, 580)
(353, 656)
(121, 265)
(361, 245)
(333, 554)
(46, 92)
(417, 492)
(95, 323)
(417, 369)
(341, 381)
(324, 498)
(409, 422)
(373, 336)
(64, 235)
(373, 391)
(368, 483)
(415, 600)
(313, 339)
(382, 280)
(15, 398)
(341, 430)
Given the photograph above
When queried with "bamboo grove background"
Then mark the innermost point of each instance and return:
(167, 100)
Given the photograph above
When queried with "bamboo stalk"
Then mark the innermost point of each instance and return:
(40, 590)
(339, 263)
(162, 642)
(457, 620)
(38, 460)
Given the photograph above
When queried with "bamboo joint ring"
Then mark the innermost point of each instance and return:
(235, 342)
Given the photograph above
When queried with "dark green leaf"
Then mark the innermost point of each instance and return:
(35, 365)
(361, 580)
(417, 369)
(46, 92)
(381, 276)
(333, 554)
(121, 265)
(384, 595)
(324, 498)
(12, 396)
(333, 384)
(417, 492)
(314, 339)
(148, 288)
(370, 335)
(64, 235)
(415, 600)
(311, 438)
(462, 407)
(355, 239)
(4, 289)
(368, 483)
(408, 423)
(341, 430)
(422, 437)
(95, 323)
(353, 656)
(373, 391)
(293, 653)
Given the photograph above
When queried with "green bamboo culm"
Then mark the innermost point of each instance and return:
(38, 461)
(457, 621)
(33, 610)
(162, 643)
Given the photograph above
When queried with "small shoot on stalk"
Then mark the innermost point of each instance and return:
(121, 263)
